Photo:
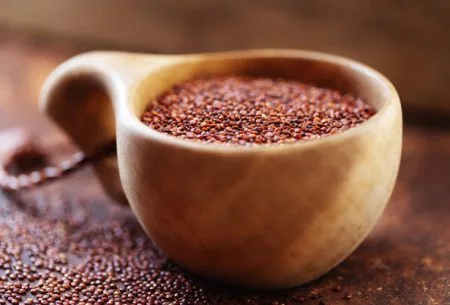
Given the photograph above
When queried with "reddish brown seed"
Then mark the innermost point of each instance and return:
(74, 256)
(347, 297)
(18, 155)
(20, 151)
(248, 111)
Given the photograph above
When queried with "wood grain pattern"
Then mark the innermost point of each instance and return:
(404, 261)
(279, 206)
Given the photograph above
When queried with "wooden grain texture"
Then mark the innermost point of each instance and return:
(406, 260)
(203, 203)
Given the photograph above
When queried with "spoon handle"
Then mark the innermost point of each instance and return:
(77, 161)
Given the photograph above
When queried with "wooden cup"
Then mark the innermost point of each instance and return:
(270, 216)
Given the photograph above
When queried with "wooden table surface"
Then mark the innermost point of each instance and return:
(405, 260)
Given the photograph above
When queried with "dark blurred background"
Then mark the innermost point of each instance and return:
(408, 40)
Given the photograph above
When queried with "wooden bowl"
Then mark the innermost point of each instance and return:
(268, 217)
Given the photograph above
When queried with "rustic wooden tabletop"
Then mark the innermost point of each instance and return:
(405, 260)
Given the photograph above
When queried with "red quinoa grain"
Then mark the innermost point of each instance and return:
(253, 110)
(74, 252)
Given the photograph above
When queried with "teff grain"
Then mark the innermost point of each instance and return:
(253, 110)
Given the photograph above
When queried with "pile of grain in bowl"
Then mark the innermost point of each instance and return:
(248, 110)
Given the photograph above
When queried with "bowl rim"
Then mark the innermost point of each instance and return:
(132, 121)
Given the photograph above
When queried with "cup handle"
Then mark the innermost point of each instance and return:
(80, 96)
